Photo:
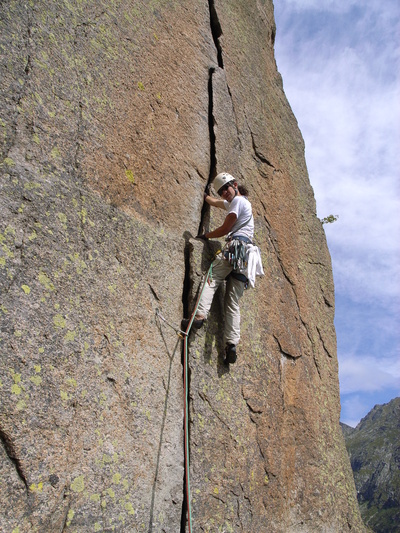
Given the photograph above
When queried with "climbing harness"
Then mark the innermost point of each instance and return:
(236, 254)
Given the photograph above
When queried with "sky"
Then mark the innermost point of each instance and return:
(340, 64)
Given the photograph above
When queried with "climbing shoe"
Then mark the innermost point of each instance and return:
(197, 323)
(230, 354)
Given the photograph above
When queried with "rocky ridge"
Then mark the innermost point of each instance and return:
(114, 117)
(374, 452)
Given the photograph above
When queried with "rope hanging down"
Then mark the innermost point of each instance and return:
(186, 407)
(185, 336)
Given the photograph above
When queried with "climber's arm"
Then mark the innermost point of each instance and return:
(215, 202)
(224, 229)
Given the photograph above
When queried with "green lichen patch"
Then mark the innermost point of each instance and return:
(59, 321)
(36, 487)
(70, 336)
(8, 162)
(45, 281)
(70, 516)
(36, 380)
(116, 479)
(130, 176)
(16, 389)
(78, 484)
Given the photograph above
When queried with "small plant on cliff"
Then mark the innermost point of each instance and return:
(329, 219)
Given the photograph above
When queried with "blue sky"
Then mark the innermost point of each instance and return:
(340, 63)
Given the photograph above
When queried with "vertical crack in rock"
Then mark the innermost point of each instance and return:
(10, 451)
(205, 211)
(186, 297)
(216, 31)
(65, 520)
(257, 153)
(187, 281)
(184, 507)
(184, 499)
(211, 123)
(323, 343)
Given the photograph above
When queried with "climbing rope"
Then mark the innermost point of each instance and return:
(178, 331)
(185, 336)
(185, 387)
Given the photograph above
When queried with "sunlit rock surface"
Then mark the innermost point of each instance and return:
(114, 117)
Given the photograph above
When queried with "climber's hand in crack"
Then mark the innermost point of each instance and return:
(226, 227)
(215, 202)
(223, 230)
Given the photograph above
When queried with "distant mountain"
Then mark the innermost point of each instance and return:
(374, 450)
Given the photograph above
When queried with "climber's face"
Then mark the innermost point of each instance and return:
(228, 192)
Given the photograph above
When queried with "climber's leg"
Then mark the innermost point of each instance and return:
(234, 291)
(220, 270)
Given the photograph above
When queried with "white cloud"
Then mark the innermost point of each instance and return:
(349, 113)
(320, 5)
(367, 280)
(340, 67)
(335, 6)
(354, 408)
(368, 374)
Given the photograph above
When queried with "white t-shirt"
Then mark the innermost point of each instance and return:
(242, 209)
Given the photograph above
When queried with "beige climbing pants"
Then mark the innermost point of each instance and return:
(233, 292)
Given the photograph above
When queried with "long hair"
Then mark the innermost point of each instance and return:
(243, 191)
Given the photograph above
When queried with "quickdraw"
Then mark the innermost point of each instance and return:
(236, 254)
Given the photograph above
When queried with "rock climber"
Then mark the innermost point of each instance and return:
(239, 227)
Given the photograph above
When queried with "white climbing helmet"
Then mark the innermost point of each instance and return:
(222, 179)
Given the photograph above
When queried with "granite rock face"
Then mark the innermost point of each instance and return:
(114, 117)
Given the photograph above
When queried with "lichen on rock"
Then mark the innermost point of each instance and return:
(114, 118)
